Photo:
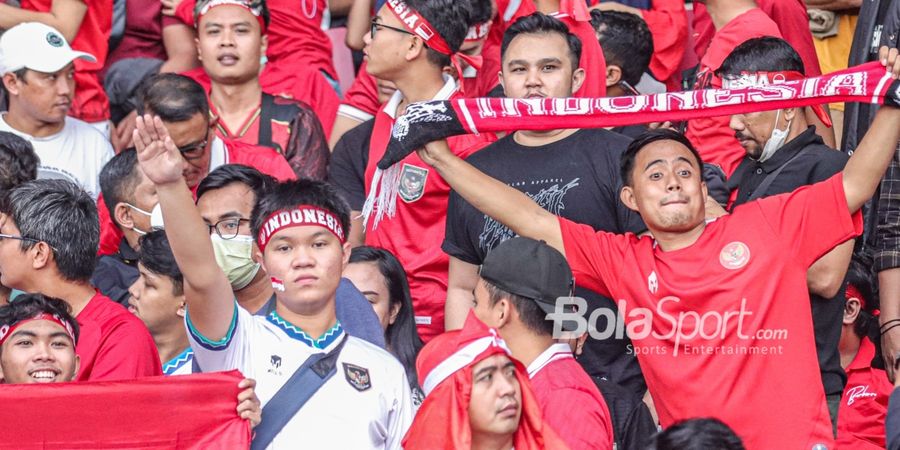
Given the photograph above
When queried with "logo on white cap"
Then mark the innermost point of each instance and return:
(54, 39)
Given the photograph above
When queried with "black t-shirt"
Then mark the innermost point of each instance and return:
(816, 163)
(576, 178)
(347, 168)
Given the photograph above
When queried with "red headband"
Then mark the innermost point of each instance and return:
(242, 3)
(478, 32)
(853, 292)
(416, 24)
(6, 330)
(763, 78)
(299, 216)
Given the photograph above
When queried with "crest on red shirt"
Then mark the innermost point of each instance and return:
(412, 183)
(734, 255)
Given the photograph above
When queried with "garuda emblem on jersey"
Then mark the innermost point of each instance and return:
(412, 183)
(734, 255)
(358, 377)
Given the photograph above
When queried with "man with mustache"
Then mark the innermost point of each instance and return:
(38, 70)
(784, 153)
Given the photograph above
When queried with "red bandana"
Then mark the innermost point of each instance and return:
(416, 24)
(299, 216)
(255, 10)
(478, 32)
(6, 330)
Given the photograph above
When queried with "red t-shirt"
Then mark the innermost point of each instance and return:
(790, 18)
(263, 159)
(754, 364)
(296, 32)
(864, 404)
(592, 61)
(143, 35)
(415, 233)
(290, 79)
(712, 136)
(90, 103)
(570, 401)
(114, 344)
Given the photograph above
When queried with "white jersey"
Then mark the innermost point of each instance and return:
(181, 364)
(364, 405)
(76, 153)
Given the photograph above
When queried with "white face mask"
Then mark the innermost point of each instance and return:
(776, 141)
(156, 218)
(234, 256)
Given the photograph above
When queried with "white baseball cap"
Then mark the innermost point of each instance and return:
(38, 47)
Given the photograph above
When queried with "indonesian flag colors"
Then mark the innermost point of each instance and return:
(299, 216)
(156, 413)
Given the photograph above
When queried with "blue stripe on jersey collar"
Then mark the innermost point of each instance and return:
(292, 331)
(177, 362)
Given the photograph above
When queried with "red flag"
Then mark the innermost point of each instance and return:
(181, 412)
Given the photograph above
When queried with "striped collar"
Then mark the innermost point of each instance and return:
(177, 362)
(552, 353)
(292, 331)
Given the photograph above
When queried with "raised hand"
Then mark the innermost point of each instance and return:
(160, 159)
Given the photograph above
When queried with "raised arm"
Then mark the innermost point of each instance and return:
(505, 204)
(208, 293)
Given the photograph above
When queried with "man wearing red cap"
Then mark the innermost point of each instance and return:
(520, 282)
(476, 396)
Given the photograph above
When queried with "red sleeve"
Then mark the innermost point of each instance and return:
(704, 30)
(792, 21)
(185, 12)
(110, 235)
(594, 256)
(362, 97)
(667, 21)
(127, 352)
(592, 60)
(811, 220)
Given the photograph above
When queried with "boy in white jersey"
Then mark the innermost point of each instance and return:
(364, 400)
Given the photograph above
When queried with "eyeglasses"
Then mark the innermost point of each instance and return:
(227, 228)
(376, 26)
(195, 151)
(23, 238)
(629, 88)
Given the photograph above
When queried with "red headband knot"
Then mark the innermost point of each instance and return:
(419, 26)
(7, 330)
(299, 216)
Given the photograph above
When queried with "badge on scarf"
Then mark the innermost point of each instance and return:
(412, 183)
(358, 377)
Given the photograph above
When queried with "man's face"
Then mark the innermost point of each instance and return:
(368, 279)
(13, 264)
(483, 308)
(539, 66)
(385, 52)
(495, 406)
(309, 260)
(44, 97)
(188, 136)
(667, 188)
(144, 197)
(153, 300)
(753, 130)
(38, 351)
(232, 204)
(230, 43)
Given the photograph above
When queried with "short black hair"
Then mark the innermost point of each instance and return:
(27, 306)
(18, 161)
(862, 276)
(118, 180)
(697, 434)
(480, 11)
(62, 214)
(626, 42)
(289, 194)
(532, 316)
(538, 23)
(626, 166)
(401, 337)
(222, 176)
(156, 256)
(172, 97)
(762, 54)
(450, 19)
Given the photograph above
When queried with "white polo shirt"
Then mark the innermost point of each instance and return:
(365, 405)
